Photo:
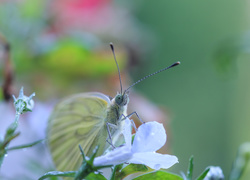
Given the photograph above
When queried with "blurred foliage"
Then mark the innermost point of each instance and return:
(71, 60)
(209, 113)
(43, 54)
(228, 51)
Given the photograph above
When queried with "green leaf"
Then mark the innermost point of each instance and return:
(190, 168)
(130, 169)
(58, 173)
(25, 145)
(2, 155)
(10, 130)
(158, 175)
(87, 166)
(93, 176)
(92, 157)
(10, 138)
(116, 171)
(203, 174)
(82, 153)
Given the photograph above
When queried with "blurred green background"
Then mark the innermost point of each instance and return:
(209, 105)
(207, 96)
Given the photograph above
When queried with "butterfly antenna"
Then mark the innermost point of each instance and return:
(112, 48)
(173, 65)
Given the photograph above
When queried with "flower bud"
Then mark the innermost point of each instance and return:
(214, 173)
(23, 103)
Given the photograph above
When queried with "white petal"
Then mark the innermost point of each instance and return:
(115, 157)
(154, 160)
(150, 137)
(127, 132)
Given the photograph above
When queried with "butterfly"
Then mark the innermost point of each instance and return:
(88, 119)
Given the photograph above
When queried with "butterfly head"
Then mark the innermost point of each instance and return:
(122, 99)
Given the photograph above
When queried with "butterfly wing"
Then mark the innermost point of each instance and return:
(79, 119)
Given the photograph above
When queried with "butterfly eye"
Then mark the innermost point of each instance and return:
(118, 99)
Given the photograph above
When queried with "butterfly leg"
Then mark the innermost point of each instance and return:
(109, 139)
(136, 115)
(132, 121)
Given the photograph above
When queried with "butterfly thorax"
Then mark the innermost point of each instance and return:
(117, 108)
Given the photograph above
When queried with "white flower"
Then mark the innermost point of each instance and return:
(214, 173)
(148, 139)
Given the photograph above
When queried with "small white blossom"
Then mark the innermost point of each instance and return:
(148, 139)
(214, 173)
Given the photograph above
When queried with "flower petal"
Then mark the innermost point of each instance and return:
(154, 160)
(150, 137)
(127, 132)
(117, 156)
